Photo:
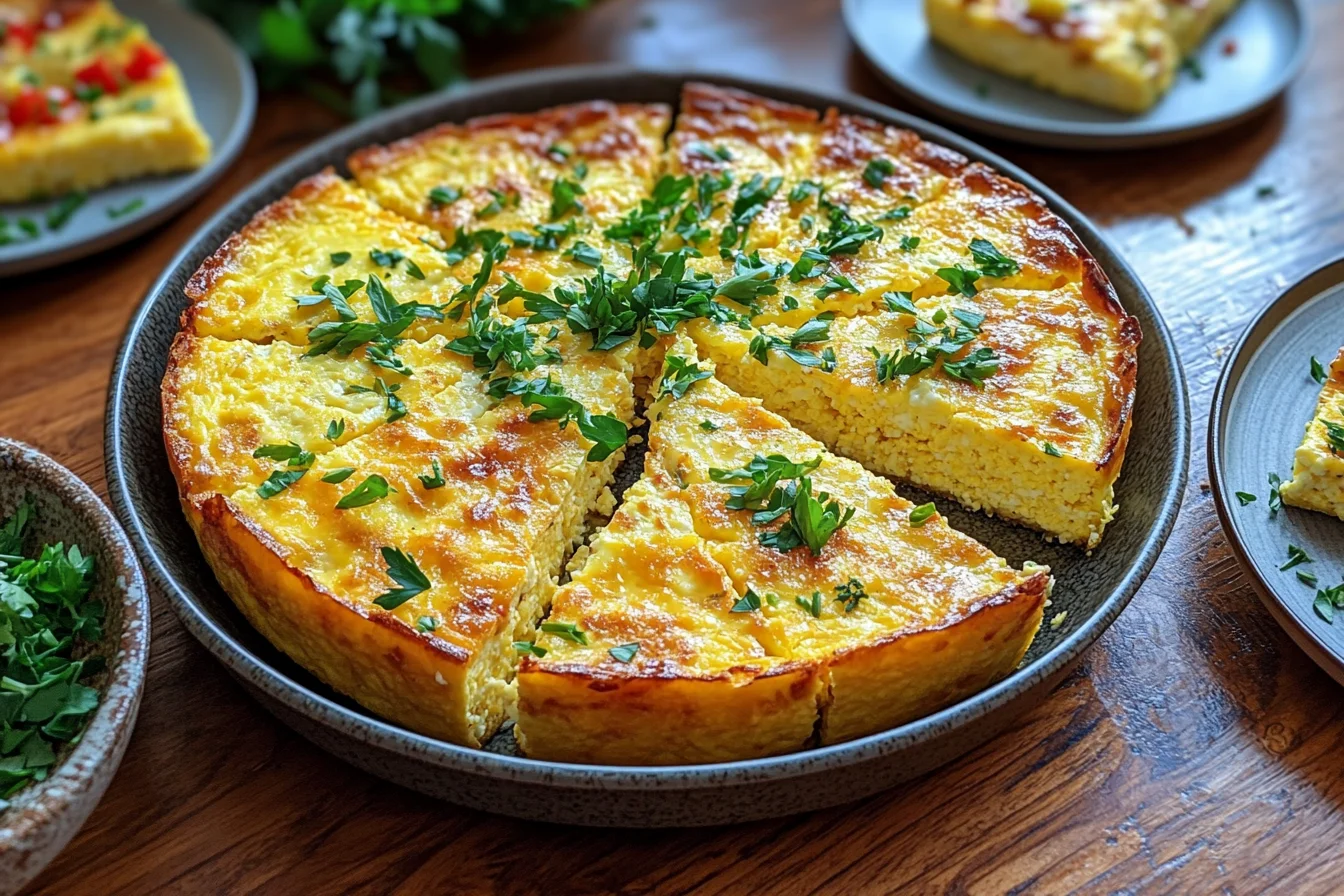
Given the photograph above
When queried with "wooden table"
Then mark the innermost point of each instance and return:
(1195, 750)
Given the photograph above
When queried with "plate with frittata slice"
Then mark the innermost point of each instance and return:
(111, 118)
(630, 431)
(1102, 74)
(1276, 461)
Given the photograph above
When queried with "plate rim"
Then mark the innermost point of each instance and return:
(320, 708)
(1330, 273)
(193, 184)
(1089, 135)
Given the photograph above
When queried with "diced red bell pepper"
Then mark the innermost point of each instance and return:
(99, 73)
(29, 106)
(145, 61)
(22, 33)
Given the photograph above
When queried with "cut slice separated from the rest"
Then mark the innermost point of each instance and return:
(1115, 53)
(795, 582)
(1015, 402)
(90, 100)
(400, 566)
(1318, 464)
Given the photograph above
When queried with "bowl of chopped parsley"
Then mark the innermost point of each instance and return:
(74, 642)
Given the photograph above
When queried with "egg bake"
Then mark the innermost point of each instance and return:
(397, 406)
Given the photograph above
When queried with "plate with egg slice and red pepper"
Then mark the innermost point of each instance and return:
(111, 119)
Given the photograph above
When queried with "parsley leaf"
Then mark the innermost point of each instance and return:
(442, 196)
(566, 631)
(991, 261)
(530, 647)
(372, 489)
(850, 594)
(922, 514)
(434, 478)
(679, 375)
(624, 653)
(402, 569)
(1317, 371)
(876, 172)
(1245, 498)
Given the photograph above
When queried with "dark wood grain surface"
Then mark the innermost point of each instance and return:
(1195, 750)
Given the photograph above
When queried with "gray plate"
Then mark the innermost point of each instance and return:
(1271, 45)
(1093, 590)
(224, 92)
(1264, 399)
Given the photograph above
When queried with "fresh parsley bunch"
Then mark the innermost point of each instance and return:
(45, 612)
(367, 46)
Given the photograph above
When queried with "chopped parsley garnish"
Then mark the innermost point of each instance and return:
(441, 196)
(339, 475)
(803, 190)
(751, 200)
(1245, 498)
(530, 647)
(837, 283)
(1334, 434)
(566, 631)
(709, 425)
(900, 213)
(780, 489)
(1317, 371)
(710, 153)
(290, 452)
(747, 603)
(909, 243)
(1275, 502)
(624, 653)
(845, 235)
(1296, 556)
(850, 594)
(1306, 578)
(810, 604)
(335, 429)
(763, 343)
(876, 172)
(607, 434)
(1192, 66)
(991, 261)
(1327, 601)
(129, 208)
(60, 214)
(279, 481)
(647, 219)
(584, 254)
(426, 624)
(1050, 449)
(372, 489)
(922, 514)
(402, 569)
(960, 280)
(497, 203)
(396, 408)
(565, 195)
(939, 337)
(434, 478)
(547, 237)
(45, 614)
(679, 375)
(297, 460)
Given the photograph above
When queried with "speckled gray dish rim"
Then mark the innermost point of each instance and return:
(223, 91)
(43, 817)
(1313, 528)
(1274, 38)
(145, 494)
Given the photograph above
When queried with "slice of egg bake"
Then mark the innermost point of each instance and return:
(756, 593)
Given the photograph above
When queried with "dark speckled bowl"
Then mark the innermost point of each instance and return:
(43, 817)
(1092, 589)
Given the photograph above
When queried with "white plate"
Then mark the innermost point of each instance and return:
(224, 92)
(1270, 38)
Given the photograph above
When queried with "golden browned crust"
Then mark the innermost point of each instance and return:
(709, 113)
(534, 132)
(178, 449)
